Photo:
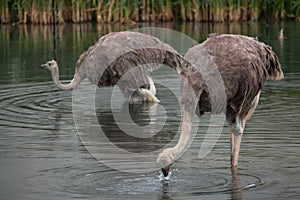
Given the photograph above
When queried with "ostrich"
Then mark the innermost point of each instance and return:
(244, 65)
(93, 64)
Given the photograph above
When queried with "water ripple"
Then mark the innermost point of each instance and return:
(31, 105)
(112, 183)
(39, 139)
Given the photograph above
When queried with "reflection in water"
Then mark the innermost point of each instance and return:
(28, 46)
(139, 127)
(236, 185)
(37, 127)
(134, 142)
(20, 43)
(165, 193)
(57, 122)
(42, 156)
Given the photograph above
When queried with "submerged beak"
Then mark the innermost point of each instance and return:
(165, 170)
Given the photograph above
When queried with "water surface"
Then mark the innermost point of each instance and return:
(42, 155)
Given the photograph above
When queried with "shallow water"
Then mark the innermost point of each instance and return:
(42, 153)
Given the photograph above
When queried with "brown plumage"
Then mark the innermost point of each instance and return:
(244, 65)
(93, 64)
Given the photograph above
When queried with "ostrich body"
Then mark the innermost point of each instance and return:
(96, 65)
(244, 65)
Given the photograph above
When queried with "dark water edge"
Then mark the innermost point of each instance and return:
(42, 155)
(28, 46)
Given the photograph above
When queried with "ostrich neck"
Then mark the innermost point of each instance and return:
(55, 77)
(189, 110)
(185, 134)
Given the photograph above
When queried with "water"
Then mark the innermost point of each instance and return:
(43, 156)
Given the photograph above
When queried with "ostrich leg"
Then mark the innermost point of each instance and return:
(236, 133)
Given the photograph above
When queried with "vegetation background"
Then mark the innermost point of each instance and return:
(131, 11)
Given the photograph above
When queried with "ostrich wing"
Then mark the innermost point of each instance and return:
(244, 65)
(107, 61)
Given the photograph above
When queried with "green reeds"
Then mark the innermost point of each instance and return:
(4, 12)
(127, 11)
(296, 9)
(21, 7)
(254, 10)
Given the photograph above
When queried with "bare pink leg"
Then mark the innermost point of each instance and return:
(236, 133)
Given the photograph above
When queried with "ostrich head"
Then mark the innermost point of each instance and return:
(51, 65)
(164, 161)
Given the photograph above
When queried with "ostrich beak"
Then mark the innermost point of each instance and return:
(43, 65)
(165, 170)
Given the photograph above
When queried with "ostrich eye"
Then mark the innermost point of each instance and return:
(50, 64)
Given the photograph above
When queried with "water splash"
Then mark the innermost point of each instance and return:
(163, 178)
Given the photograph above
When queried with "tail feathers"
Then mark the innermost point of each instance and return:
(147, 95)
(272, 65)
(152, 86)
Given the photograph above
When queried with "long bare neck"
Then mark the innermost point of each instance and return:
(69, 86)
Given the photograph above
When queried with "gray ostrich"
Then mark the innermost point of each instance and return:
(244, 64)
(96, 65)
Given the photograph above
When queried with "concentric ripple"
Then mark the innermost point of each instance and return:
(40, 149)
(111, 183)
(31, 105)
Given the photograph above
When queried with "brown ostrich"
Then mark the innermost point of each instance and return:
(244, 65)
(93, 65)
